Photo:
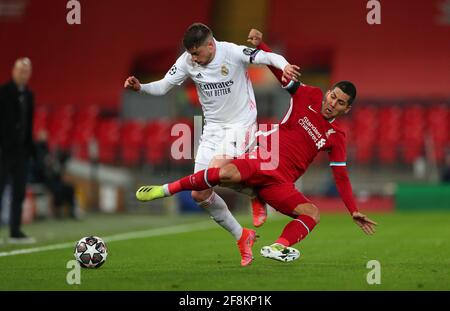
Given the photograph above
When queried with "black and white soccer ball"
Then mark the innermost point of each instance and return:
(91, 252)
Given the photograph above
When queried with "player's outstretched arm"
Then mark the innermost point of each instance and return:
(132, 83)
(291, 72)
(255, 37)
(366, 225)
(160, 87)
(345, 190)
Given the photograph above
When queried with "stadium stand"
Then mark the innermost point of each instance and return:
(385, 134)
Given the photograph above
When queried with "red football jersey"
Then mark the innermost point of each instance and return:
(302, 134)
(292, 161)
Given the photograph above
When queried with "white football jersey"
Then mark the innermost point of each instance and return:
(224, 87)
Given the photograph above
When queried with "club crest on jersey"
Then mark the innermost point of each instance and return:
(224, 70)
(329, 132)
(173, 70)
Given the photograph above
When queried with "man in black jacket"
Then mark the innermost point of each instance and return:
(16, 143)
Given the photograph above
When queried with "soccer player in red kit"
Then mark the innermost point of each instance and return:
(306, 130)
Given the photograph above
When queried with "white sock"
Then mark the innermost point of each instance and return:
(220, 213)
(166, 190)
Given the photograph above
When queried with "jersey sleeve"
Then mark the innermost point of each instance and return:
(304, 95)
(338, 164)
(247, 56)
(344, 188)
(338, 154)
(242, 53)
(290, 86)
(177, 74)
(278, 73)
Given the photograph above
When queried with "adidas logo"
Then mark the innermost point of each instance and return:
(199, 76)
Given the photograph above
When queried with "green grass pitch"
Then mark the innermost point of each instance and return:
(413, 250)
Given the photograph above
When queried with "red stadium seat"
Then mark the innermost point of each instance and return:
(365, 125)
(346, 124)
(89, 113)
(40, 121)
(108, 134)
(438, 119)
(131, 142)
(156, 142)
(84, 131)
(412, 140)
(388, 134)
(60, 125)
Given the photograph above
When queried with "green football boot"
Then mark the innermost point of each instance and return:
(149, 193)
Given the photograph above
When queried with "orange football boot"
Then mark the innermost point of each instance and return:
(259, 210)
(245, 245)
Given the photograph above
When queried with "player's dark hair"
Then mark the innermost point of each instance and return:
(348, 88)
(196, 35)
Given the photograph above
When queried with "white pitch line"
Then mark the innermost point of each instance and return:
(119, 237)
(37, 249)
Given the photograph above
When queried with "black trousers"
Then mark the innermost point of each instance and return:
(13, 168)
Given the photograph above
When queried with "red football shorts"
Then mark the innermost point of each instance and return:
(270, 186)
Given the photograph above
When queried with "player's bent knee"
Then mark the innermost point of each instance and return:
(308, 209)
(229, 174)
(316, 218)
(220, 161)
(314, 213)
(200, 196)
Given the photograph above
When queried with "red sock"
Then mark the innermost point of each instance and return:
(201, 180)
(296, 230)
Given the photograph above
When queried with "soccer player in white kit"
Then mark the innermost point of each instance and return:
(219, 70)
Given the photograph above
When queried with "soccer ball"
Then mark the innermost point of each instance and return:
(91, 252)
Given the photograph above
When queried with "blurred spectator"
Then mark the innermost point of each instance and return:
(38, 165)
(16, 144)
(445, 177)
(49, 169)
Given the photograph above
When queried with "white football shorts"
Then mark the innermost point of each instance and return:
(219, 140)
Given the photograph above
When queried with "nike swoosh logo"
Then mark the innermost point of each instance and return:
(309, 107)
